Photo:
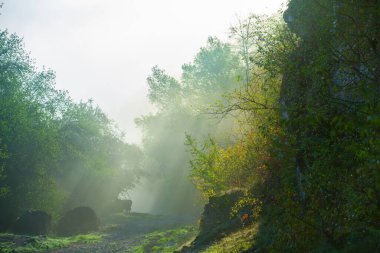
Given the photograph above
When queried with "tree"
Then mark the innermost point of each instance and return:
(215, 71)
(164, 90)
(181, 109)
(95, 164)
(27, 132)
(47, 141)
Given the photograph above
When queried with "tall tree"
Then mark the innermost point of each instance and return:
(181, 108)
(47, 142)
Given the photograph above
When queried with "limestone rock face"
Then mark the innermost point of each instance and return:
(216, 219)
(218, 210)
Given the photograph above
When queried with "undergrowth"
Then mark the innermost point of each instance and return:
(236, 242)
(10, 243)
(164, 241)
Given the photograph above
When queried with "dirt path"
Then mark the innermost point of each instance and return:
(138, 233)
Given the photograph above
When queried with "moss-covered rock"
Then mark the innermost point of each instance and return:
(218, 220)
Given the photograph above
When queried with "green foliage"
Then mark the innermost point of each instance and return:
(28, 132)
(242, 162)
(309, 128)
(299, 101)
(215, 169)
(181, 106)
(94, 158)
(239, 241)
(214, 71)
(19, 243)
(52, 149)
(164, 90)
(204, 173)
(328, 178)
(164, 241)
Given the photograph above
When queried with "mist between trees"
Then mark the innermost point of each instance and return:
(57, 154)
(286, 111)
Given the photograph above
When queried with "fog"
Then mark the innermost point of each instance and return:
(104, 50)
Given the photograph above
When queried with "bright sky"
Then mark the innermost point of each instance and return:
(104, 50)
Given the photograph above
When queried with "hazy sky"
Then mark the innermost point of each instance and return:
(104, 50)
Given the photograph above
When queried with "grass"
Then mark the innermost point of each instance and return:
(10, 243)
(235, 242)
(164, 241)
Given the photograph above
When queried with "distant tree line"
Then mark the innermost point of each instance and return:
(55, 154)
(183, 107)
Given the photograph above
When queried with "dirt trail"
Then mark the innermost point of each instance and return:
(124, 233)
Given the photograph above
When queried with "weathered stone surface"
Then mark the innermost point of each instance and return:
(216, 220)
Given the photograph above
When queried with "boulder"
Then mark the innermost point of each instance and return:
(33, 222)
(217, 220)
(79, 220)
(218, 210)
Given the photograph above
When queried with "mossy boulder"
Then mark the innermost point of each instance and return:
(217, 220)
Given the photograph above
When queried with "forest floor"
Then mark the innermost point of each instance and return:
(126, 233)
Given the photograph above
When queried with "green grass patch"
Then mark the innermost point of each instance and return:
(235, 242)
(10, 243)
(164, 241)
